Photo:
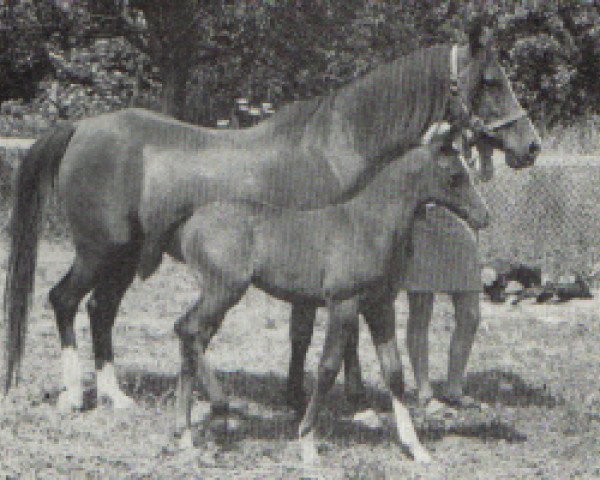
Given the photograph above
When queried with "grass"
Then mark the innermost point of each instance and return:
(534, 367)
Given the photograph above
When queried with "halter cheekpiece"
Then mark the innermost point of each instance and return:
(463, 114)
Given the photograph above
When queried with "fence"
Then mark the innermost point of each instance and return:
(546, 215)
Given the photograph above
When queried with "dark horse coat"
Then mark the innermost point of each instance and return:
(129, 178)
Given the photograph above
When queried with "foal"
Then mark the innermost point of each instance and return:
(324, 256)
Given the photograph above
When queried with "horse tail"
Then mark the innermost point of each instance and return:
(34, 181)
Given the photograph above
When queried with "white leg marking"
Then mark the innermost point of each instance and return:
(186, 441)
(407, 434)
(72, 397)
(108, 387)
(308, 450)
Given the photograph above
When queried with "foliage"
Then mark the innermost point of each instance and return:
(207, 53)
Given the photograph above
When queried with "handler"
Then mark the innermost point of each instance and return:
(445, 260)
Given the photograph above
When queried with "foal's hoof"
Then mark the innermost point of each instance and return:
(420, 455)
(434, 407)
(119, 401)
(368, 418)
(308, 451)
(70, 400)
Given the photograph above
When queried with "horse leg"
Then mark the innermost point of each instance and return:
(353, 384)
(65, 297)
(217, 298)
(420, 309)
(381, 320)
(301, 329)
(467, 314)
(102, 309)
(341, 316)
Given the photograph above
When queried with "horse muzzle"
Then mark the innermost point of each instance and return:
(524, 160)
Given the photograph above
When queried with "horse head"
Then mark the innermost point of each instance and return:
(498, 119)
(446, 180)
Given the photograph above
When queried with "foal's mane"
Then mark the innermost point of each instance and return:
(400, 99)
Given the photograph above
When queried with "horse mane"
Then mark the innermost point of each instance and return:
(398, 100)
(394, 102)
(292, 119)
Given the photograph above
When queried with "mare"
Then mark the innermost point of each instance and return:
(324, 256)
(128, 178)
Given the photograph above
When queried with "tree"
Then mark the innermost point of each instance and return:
(208, 52)
(23, 56)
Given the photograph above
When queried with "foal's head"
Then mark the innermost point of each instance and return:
(443, 178)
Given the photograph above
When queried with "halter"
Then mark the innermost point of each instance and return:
(473, 122)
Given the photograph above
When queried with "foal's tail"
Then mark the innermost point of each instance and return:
(34, 181)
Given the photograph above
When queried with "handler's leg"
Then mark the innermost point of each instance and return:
(420, 309)
(467, 313)
(301, 329)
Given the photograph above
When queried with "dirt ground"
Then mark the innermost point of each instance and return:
(535, 368)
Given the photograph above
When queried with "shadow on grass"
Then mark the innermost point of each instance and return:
(505, 388)
(268, 390)
(494, 387)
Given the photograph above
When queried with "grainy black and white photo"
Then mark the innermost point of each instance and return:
(299, 239)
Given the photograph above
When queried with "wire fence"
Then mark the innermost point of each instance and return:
(547, 216)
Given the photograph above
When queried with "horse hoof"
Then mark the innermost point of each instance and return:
(308, 451)
(434, 407)
(421, 455)
(70, 400)
(233, 425)
(368, 418)
(120, 401)
(186, 442)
